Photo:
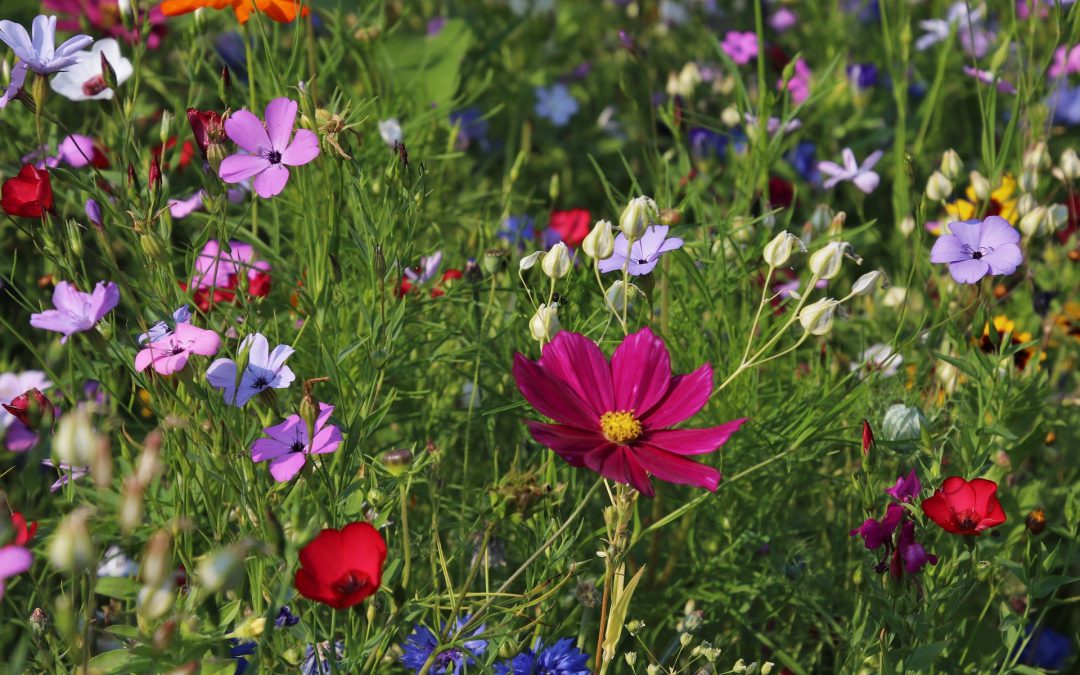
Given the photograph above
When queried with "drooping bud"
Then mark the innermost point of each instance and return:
(620, 297)
(163, 130)
(154, 175)
(529, 261)
(32, 408)
(544, 324)
(599, 244)
(951, 164)
(638, 215)
(938, 188)
(778, 251)
(71, 549)
(817, 318)
(825, 262)
(556, 262)
(867, 283)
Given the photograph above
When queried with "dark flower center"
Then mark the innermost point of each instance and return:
(94, 86)
(261, 382)
(978, 253)
(349, 584)
(273, 155)
(967, 520)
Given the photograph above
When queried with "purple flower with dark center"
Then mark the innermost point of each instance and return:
(287, 444)
(907, 488)
(877, 532)
(76, 311)
(561, 658)
(265, 370)
(976, 248)
(644, 255)
(422, 642)
(269, 149)
(40, 53)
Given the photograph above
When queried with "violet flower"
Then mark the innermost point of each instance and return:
(986, 77)
(429, 267)
(68, 473)
(93, 211)
(76, 311)
(862, 176)
(741, 47)
(645, 253)
(270, 148)
(1066, 61)
(169, 353)
(77, 151)
(161, 329)
(18, 79)
(907, 487)
(877, 532)
(265, 370)
(41, 54)
(975, 248)
(910, 552)
(14, 560)
(287, 444)
(556, 104)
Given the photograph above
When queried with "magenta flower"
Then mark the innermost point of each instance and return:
(877, 532)
(269, 149)
(76, 311)
(68, 473)
(986, 77)
(216, 268)
(906, 489)
(741, 47)
(614, 417)
(799, 84)
(14, 560)
(975, 248)
(287, 444)
(910, 552)
(1066, 61)
(170, 353)
(862, 176)
(265, 370)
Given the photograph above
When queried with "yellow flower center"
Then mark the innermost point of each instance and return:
(620, 426)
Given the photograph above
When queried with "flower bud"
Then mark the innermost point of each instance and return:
(1036, 521)
(74, 238)
(149, 465)
(894, 297)
(250, 628)
(599, 244)
(153, 602)
(821, 218)
(906, 226)
(1070, 164)
(101, 464)
(825, 262)
(980, 186)
(1056, 217)
(75, 439)
(620, 297)
(652, 669)
(938, 188)
(1034, 222)
(32, 408)
(767, 667)
(951, 164)
(1029, 181)
(817, 318)
(131, 505)
(1037, 157)
(638, 215)
(223, 569)
(867, 283)
(529, 261)
(157, 559)
(631, 658)
(556, 263)
(685, 639)
(397, 461)
(779, 249)
(731, 117)
(494, 260)
(152, 246)
(71, 549)
(544, 324)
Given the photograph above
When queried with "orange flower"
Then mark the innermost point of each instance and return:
(278, 10)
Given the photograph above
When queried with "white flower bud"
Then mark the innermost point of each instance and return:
(685, 639)
(817, 318)
(825, 262)
(638, 215)
(867, 283)
(1026, 204)
(906, 226)
(70, 549)
(1070, 164)
(155, 601)
(544, 324)
(1029, 181)
(631, 658)
(1057, 216)
(980, 186)
(599, 243)
(556, 263)
(528, 261)
(75, 439)
(739, 667)
(1037, 157)
(779, 249)
(619, 298)
(894, 297)
(938, 188)
(689, 78)
(951, 164)
(223, 569)
(1034, 222)
(652, 669)
(731, 117)
(767, 667)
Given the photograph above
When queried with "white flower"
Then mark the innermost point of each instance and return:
(85, 81)
(390, 130)
(879, 357)
(115, 564)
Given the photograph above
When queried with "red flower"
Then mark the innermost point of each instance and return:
(158, 152)
(24, 531)
(342, 567)
(867, 437)
(31, 408)
(207, 126)
(965, 507)
(28, 194)
(573, 225)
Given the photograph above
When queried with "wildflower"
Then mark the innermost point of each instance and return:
(561, 658)
(879, 358)
(85, 80)
(907, 487)
(317, 658)
(169, 353)
(862, 76)
(951, 164)
(876, 532)
(67, 472)
(1002, 202)
(76, 311)
(613, 417)
(557, 262)
(428, 270)
(975, 248)
(645, 253)
(801, 158)
(572, 225)
(270, 148)
(1047, 649)
(14, 560)
(40, 54)
(706, 144)
(968, 24)
(390, 132)
(282, 11)
(472, 128)
(938, 187)
(599, 243)
(104, 16)
(799, 84)
(1005, 331)
(422, 642)
(218, 274)
(28, 194)
(556, 104)
(287, 444)
(986, 77)
(862, 176)
(965, 507)
(342, 567)
(741, 47)
(285, 618)
(15, 85)
(1066, 61)
(544, 324)
(517, 231)
(31, 408)
(208, 127)
(783, 19)
(115, 564)
(639, 214)
(817, 317)
(909, 552)
(264, 370)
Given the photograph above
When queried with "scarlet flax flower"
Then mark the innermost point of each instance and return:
(614, 417)
(27, 195)
(573, 225)
(965, 507)
(342, 567)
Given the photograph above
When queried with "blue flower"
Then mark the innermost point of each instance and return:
(286, 618)
(518, 231)
(264, 370)
(561, 658)
(555, 103)
(862, 75)
(161, 330)
(1065, 104)
(706, 144)
(422, 642)
(238, 650)
(1048, 649)
(472, 128)
(801, 158)
(318, 662)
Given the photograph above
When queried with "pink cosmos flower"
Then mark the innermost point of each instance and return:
(741, 47)
(76, 311)
(287, 444)
(269, 149)
(13, 560)
(614, 417)
(170, 353)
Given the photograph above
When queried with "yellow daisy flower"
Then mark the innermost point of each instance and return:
(1002, 203)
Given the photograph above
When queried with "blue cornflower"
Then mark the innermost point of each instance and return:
(518, 231)
(706, 144)
(862, 75)
(802, 159)
(561, 658)
(422, 642)
(161, 329)
(555, 103)
(286, 618)
(472, 128)
(238, 650)
(264, 370)
(1064, 103)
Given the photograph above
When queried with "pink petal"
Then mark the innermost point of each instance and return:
(303, 149)
(238, 168)
(552, 397)
(143, 359)
(570, 443)
(676, 469)
(272, 181)
(577, 361)
(693, 441)
(286, 469)
(686, 395)
(14, 560)
(280, 119)
(641, 371)
(247, 131)
(617, 463)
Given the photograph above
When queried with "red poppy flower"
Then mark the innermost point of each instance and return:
(24, 531)
(28, 194)
(342, 567)
(573, 225)
(965, 507)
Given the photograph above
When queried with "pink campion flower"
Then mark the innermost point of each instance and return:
(986, 77)
(741, 47)
(614, 417)
(974, 248)
(76, 311)
(104, 16)
(269, 149)
(169, 354)
(14, 560)
(1066, 61)
(799, 84)
(287, 444)
(862, 176)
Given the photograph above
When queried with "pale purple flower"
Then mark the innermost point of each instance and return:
(68, 473)
(18, 79)
(773, 125)
(287, 444)
(973, 38)
(429, 267)
(645, 253)
(14, 560)
(862, 176)
(185, 206)
(907, 487)
(93, 211)
(269, 149)
(265, 370)
(556, 104)
(783, 20)
(169, 353)
(161, 329)
(76, 150)
(976, 248)
(1066, 61)
(40, 53)
(742, 47)
(76, 311)
(986, 77)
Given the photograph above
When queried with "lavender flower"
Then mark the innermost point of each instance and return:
(422, 642)
(265, 370)
(561, 658)
(973, 38)
(317, 658)
(93, 211)
(287, 444)
(556, 104)
(40, 54)
(68, 473)
(740, 47)
(76, 311)
(975, 248)
(269, 149)
(986, 77)
(429, 267)
(645, 253)
(862, 176)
